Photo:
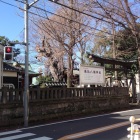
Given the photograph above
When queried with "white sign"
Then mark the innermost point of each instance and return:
(92, 75)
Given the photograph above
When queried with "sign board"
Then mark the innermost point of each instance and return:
(92, 75)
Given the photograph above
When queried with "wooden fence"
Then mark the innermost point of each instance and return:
(16, 95)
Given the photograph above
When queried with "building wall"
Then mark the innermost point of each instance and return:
(10, 77)
(9, 74)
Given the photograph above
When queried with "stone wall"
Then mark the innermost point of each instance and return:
(45, 110)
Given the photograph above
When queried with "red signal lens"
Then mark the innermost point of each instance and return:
(8, 49)
(8, 53)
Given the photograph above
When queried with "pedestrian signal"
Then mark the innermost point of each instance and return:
(8, 53)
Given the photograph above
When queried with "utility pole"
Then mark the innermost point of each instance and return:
(26, 79)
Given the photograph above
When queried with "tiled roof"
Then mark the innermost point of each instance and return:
(7, 67)
(105, 60)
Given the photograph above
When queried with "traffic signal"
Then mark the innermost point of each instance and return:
(8, 53)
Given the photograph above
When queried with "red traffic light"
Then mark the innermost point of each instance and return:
(8, 49)
(8, 53)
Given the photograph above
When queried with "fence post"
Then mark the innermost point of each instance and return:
(38, 92)
(11, 94)
(4, 95)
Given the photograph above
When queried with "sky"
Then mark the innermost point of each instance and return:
(12, 19)
(12, 24)
(12, 27)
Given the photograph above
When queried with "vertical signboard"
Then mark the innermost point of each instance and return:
(92, 75)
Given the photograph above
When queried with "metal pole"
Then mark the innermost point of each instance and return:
(26, 79)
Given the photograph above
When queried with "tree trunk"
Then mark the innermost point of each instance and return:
(54, 74)
(72, 42)
(139, 67)
(70, 71)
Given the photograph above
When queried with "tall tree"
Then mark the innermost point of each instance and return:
(65, 32)
(126, 45)
(121, 13)
(102, 44)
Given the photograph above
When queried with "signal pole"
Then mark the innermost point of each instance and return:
(26, 79)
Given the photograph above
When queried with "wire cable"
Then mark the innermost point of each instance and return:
(38, 15)
(119, 23)
(56, 15)
(9, 4)
(66, 18)
(120, 8)
(101, 19)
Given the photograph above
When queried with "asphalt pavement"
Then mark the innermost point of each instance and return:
(108, 126)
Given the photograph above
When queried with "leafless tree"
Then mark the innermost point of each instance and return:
(121, 13)
(65, 32)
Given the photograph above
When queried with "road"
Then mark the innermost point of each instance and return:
(111, 126)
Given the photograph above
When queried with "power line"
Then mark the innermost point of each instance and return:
(120, 8)
(74, 28)
(125, 26)
(18, 7)
(10, 4)
(54, 14)
(119, 23)
(20, 32)
(113, 11)
(71, 20)
(58, 22)
(62, 16)
(65, 18)
(101, 19)
(59, 16)
(40, 15)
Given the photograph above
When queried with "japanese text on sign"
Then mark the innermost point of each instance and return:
(91, 75)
